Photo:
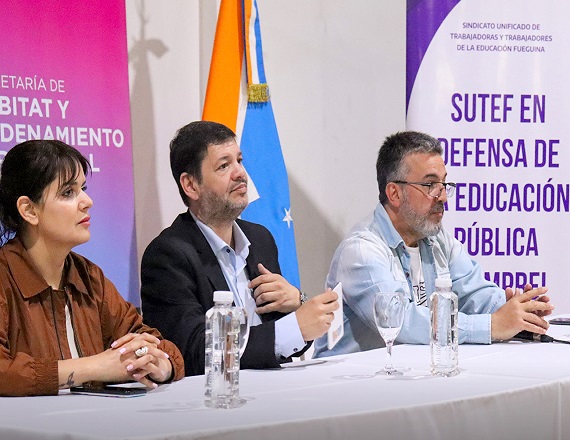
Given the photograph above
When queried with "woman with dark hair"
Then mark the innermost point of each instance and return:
(62, 323)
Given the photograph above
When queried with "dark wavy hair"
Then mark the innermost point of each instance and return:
(27, 170)
(390, 164)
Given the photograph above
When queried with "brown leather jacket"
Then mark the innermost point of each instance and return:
(33, 334)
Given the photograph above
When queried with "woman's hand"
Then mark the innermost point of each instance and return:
(120, 363)
(142, 358)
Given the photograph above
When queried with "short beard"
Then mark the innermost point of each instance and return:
(216, 210)
(420, 223)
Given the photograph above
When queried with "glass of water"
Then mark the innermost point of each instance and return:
(389, 310)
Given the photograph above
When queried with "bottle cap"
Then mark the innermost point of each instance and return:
(223, 296)
(443, 283)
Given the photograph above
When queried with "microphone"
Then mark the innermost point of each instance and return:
(529, 336)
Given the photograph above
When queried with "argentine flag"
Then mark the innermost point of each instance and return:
(238, 97)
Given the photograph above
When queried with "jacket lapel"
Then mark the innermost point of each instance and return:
(209, 261)
(256, 256)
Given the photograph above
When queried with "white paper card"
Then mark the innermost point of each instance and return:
(336, 329)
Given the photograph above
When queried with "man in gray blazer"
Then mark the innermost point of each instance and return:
(208, 248)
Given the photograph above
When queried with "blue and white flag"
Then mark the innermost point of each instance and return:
(238, 97)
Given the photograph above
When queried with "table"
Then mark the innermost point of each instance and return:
(514, 390)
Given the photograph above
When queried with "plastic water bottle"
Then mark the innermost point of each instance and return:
(443, 329)
(222, 353)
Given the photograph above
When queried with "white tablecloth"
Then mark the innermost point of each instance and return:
(512, 390)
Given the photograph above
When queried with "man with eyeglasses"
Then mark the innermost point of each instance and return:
(402, 247)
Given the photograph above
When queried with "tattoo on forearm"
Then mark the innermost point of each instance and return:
(70, 382)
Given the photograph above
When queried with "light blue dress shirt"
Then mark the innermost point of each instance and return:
(288, 337)
(373, 258)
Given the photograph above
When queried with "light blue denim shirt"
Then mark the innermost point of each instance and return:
(372, 258)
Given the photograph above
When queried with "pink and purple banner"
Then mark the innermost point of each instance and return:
(64, 75)
(490, 80)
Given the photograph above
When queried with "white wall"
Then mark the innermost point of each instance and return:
(336, 70)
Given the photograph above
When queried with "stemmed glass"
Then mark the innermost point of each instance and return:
(389, 316)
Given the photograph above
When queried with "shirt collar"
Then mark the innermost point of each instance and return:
(386, 229)
(241, 243)
(27, 277)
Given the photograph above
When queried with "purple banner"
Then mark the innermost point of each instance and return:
(489, 79)
(422, 21)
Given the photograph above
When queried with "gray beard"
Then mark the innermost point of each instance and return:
(420, 223)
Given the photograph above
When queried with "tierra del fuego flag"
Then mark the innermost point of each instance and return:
(238, 97)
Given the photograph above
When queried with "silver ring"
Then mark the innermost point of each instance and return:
(140, 352)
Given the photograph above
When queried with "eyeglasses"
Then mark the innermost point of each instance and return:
(434, 188)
